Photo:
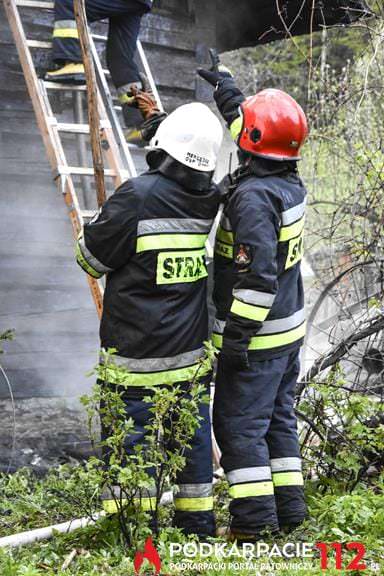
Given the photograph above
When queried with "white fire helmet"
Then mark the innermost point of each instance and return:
(192, 134)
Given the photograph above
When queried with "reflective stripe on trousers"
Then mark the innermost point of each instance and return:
(249, 482)
(193, 497)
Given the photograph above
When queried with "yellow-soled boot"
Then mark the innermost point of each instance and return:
(70, 73)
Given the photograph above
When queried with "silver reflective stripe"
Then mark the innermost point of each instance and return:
(91, 260)
(282, 324)
(193, 490)
(249, 474)
(65, 24)
(254, 297)
(283, 464)
(172, 225)
(293, 214)
(157, 364)
(116, 492)
(225, 224)
(219, 326)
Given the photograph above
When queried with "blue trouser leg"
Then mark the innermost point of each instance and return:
(139, 411)
(193, 492)
(124, 27)
(283, 443)
(244, 409)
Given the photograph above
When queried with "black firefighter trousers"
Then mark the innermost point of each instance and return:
(256, 429)
(193, 498)
(124, 26)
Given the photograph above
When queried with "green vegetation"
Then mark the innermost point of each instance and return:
(339, 79)
(27, 501)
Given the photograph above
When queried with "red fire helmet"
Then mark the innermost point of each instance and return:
(273, 126)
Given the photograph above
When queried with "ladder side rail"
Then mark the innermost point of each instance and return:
(111, 113)
(112, 153)
(149, 75)
(50, 137)
(32, 81)
(66, 186)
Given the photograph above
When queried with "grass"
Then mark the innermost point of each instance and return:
(29, 502)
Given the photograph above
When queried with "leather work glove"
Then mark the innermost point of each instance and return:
(145, 102)
(215, 74)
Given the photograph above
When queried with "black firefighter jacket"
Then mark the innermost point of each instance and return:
(259, 246)
(149, 239)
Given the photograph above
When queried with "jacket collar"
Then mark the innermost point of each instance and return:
(262, 167)
(188, 178)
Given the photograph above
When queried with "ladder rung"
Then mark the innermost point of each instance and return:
(64, 87)
(75, 128)
(35, 4)
(82, 171)
(38, 44)
(99, 38)
(88, 214)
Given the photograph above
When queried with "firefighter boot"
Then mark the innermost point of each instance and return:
(69, 73)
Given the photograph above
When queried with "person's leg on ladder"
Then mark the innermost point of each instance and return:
(284, 451)
(66, 52)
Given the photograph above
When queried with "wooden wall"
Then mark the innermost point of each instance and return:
(43, 294)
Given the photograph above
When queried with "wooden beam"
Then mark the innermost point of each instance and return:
(93, 110)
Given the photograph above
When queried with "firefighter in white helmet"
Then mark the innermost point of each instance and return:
(149, 241)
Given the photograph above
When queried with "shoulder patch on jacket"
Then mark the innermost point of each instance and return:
(243, 255)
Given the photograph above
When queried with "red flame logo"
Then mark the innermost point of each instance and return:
(150, 553)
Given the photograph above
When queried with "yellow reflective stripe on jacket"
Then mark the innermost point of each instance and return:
(268, 341)
(66, 33)
(117, 375)
(225, 235)
(249, 311)
(289, 232)
(113, 506)
(235, 127)
(84, 264)
(288, 479)
(276, 340)
(194, 504)
(171, 241)
(225, 250)
(251, 489)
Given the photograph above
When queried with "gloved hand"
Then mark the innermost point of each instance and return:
(215, 74)
(145, 102)
(227, 95)
(234, 360)
(234, 352)
(149, 128)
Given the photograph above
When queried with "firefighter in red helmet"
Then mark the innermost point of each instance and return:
(260, 323)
